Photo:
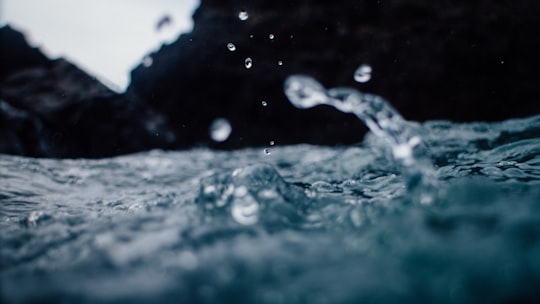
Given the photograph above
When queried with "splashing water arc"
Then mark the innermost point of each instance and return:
(382, 119)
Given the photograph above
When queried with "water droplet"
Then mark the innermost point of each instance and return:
(280, 63)
(250, 36)
(272, 143)
(231, 47)
(264, 103)
(291, 36)
(271, 36)
(502, 61)
(243, 15)
(147, 61)
(267, 151)
(363, 73)
(248, 63)
(220, 130)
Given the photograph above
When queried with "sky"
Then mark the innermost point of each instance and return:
(105, 38)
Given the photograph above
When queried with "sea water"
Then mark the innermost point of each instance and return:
(437, 212)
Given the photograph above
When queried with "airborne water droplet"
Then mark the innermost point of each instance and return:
(147, 61)
(231, 47)
(248, 63)
(243, 15)
(220, 129)
(280, 63)
(363, 73)
(272, 143)
(264, 103)
(271, 36)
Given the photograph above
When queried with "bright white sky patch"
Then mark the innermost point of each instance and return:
(106, 38)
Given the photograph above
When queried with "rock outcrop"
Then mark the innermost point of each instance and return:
(458, 60)
(50, 108)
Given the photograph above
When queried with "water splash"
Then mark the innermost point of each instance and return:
(383, 120)
(248, 191)
(220, 130)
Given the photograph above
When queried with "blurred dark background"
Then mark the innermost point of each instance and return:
(457, 60)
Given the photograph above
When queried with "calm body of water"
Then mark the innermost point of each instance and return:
(297, 224)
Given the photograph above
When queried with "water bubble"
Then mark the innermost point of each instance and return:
(248, 63)
(243, 15)
(245, 210)
(231, 47)
(264, 103)
(280, 63)
(147, 61)
(363, 73)
(220, 130)
(271, 36)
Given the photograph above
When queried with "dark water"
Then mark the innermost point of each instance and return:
(438, 212)
(302, 224)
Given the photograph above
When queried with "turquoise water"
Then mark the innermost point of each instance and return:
(302, 224)
(433, 213)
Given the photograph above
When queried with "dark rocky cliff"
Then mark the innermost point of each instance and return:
(458, 60)
(50, 108)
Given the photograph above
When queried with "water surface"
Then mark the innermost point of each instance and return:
(292, 224)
